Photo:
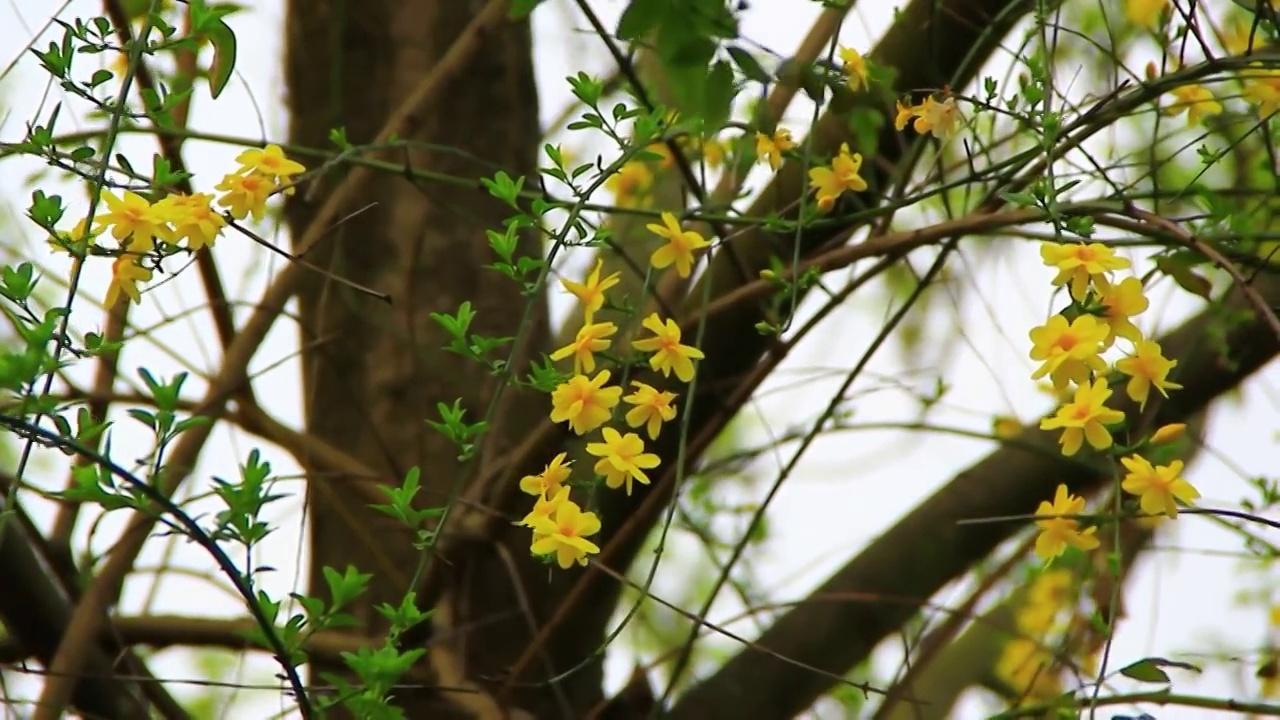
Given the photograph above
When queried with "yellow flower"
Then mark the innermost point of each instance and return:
(831, 182)
(1068, 351)
(941, 119)
(667, 160)
(855, 67)
(1147, 368)
(126, 273)
(548, 482)
(76, 241)
(622, 459)
(591, 293)
(1056, 533)
(1026, 668)
(133, 221)
(1085, 418)
(1237, 36)
(1158, 487)
(1196, 101)
(1262, 88)
(544, 508)
(269, 161)
(1005, 427)
(1080, 263)
(192, 218)
(713, 152)
(903, 115)
(245, 195)
(591, 339)
(1168, 433)
(631, 184)
(565, 533)
(1122, 301)
(652, 407)
(668, 353)
(585, 404)
(1145, 13)
(680, 245)
(771, 147)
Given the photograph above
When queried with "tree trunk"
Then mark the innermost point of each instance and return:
(373, 372)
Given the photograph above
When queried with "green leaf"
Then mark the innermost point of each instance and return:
(223, 41)
(640, 17)
(1186, 278)
(718, 97)
(1150, 669)
(748, 64)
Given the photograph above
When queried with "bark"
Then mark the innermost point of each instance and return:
(374, 372)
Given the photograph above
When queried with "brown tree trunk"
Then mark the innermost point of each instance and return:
(374, 372)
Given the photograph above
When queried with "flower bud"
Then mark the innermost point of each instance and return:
(1169, 433)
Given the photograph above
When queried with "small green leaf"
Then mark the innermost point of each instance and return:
(1150, 669)
(748, 64)
(1186, 278)
(640, 17)
(223, 41)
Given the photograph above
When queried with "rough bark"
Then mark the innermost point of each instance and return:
(374, 372)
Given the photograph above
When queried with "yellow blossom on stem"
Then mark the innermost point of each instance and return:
(903, 114)
(622, 459)
(245, 195)
(133, 221)
(1123, 301)
(1158, 487)
(660, 149)
(126, 273)
(548, 482)
(668, 354)
(1085, 418)
(652, 407)
(631, 184)
(771, 147)
(1026, 668)
(831, 182)
(1147, 368)
(1196, 101)
(1068, 351)
(941, 119)
(1262, 88)
(1057, 533)
(1145, 13)
(76, 241)
(855, 68)
(680, 245)
(591, 339)
(269, 161)
(564, 534)
(591, 293)
(585, 403)
(544, 507)
(192, 218)
(1080, 263)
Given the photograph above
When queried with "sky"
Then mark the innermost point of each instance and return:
(850, 487)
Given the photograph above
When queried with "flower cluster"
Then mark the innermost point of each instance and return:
(1069, 348)
(938, 118)
(142, 228)
(1026, 663)
(587, 402)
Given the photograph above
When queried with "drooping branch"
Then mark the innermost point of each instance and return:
(930, 547)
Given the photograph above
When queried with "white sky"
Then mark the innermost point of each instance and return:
(847, 490)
